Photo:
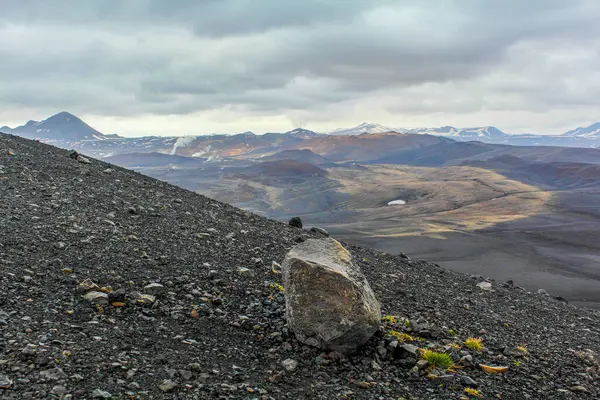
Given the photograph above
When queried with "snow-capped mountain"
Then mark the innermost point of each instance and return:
(62, 126)
(592, 131)
(451, 131)
(302, 133)
(365, 127)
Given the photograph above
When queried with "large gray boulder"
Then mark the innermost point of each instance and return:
(329, 303)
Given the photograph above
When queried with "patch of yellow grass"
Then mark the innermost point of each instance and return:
(474, 393)
(475, 344)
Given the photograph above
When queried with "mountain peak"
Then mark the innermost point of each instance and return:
(61, 126)
(592, 131)
(365, 127)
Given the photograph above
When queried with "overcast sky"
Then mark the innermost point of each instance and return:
(188, 66)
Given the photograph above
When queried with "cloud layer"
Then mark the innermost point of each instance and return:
(233, 65)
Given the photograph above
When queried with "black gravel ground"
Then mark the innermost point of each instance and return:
(214, 327)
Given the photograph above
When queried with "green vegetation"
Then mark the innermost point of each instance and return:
(474, 343)
(401, 336)
(437, 360)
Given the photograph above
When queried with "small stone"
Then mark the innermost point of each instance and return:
(5, 382)
(101, 394)
(154, 289)
(185, 374)
(195, 367)
(289, 364)
(96, 297)
(468, 381)
(485, 286)
(54, 374)
(543, 292)
(60, 391)
(83, 159)
(365, 385)
(146, 299)
(167, 385)
(404, 256)
(117, 296)
(407, 350)
(108, 171)
(242, 270)
(296, 222)
(421, 364)
(578, 389)
(320, 231)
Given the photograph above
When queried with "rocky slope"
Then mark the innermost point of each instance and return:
(116, 285)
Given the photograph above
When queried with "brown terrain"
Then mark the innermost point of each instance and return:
(530, 214)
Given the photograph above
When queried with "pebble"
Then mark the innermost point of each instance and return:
(468, 381)
(578, 389)
(289, 364)
(167, 385)
(154, 289)
(485, 286)
(5, 382)
(54, 374)
(96, 297)
(101, 394)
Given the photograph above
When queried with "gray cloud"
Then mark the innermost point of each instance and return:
(268, 57)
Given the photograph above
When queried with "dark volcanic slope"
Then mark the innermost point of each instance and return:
(64, 222)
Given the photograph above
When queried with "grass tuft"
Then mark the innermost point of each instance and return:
(437, 360)
(522, 350)
(474, 343)
(474, 393)
(276, 286)
(401, 336)
(389, 319)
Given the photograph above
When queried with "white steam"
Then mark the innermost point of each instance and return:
(183, 141)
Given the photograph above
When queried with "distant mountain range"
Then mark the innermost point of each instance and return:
(66, 127)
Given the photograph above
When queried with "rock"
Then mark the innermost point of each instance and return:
(96, 297)
(508, 284)
(59, 390)
(289, 364)
(421, 364)
(407, 350)
(320, 231)
(108, 171)
(155, 289)
(117, 296)
(329, 303)
(543, 292)
(578, 389)
(185, 374)
(5, 382)
(404, 256)
(485, 286)
(296, 222)
(146, 299)
(101, 394)
(73, 154)
(468, 381)
(167, 385)
(54, 374)
(195, 367)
